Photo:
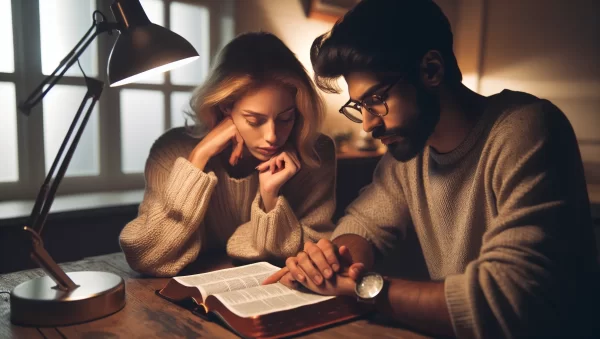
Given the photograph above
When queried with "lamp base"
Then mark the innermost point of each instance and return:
(38, 302)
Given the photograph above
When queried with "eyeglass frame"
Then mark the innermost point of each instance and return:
(358, 103)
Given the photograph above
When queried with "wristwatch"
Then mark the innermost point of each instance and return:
(368, 287)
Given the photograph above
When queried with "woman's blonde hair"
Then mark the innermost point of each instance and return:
(250, 61)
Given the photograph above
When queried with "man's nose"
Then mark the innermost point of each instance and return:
(370, 121)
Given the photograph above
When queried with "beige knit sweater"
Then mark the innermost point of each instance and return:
(504, 220)
(186, 210)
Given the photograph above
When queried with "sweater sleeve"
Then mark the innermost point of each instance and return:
(302, 213)
(166, 235)
(525, 280)
(380, 213)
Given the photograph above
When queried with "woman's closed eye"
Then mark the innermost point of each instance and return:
(255, 122)
(287, 117)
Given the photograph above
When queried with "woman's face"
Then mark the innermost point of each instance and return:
(265, 118)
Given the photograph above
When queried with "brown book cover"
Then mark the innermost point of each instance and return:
(237, 298)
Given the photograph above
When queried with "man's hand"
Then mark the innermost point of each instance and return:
(322, 268)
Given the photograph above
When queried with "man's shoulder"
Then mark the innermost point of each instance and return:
(522, 116)
(534, 127)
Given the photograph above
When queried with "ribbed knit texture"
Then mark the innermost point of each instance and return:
(504, 220)
(186, 210)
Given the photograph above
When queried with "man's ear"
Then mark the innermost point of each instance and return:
(432, 69)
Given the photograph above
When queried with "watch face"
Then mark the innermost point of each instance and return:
(369, 286)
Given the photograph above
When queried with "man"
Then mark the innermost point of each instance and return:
(493, 187)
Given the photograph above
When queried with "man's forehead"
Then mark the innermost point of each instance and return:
(359, 82)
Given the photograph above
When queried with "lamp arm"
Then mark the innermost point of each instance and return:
(39, 93)
(45, 261)
(50, 185)
(48, 190)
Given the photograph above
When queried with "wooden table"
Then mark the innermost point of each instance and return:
(149, 316)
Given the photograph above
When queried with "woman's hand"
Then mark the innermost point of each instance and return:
(275, 172)
(215, 142)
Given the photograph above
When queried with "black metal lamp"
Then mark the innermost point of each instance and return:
(141, 49)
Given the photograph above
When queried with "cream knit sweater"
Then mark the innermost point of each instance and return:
(504, 220)
(186, 210)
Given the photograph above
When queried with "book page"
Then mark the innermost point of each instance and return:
(265, 299)
(229, 279)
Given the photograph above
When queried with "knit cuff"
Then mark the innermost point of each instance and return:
(278, 231)
(349, 226)
(188, 187)
(457, 299)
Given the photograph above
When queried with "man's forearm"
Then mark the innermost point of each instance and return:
(360, 249)
(418, 304)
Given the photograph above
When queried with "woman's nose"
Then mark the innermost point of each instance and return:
(270, 133)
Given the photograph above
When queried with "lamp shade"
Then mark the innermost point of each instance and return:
(143, 48)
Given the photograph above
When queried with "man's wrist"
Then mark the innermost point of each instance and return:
(382, 299)
(350, 292)
(360, 248)
(370, 287)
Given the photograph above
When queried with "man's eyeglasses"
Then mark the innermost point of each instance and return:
(374, 104)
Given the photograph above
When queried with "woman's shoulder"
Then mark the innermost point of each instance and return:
(325, 148)
(311, 179)
(174, 143)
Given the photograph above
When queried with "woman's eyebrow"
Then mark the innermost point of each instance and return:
(287, 110)
(264, 115)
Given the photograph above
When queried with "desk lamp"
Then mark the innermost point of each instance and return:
(142, 48)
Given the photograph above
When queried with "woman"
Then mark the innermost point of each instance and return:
(259, 183)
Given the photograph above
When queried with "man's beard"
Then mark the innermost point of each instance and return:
(417, 131)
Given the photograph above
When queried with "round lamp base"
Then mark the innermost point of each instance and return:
(38, 302)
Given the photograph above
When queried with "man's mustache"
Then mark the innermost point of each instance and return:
(381, 132)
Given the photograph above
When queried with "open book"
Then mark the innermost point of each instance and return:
(237, 298)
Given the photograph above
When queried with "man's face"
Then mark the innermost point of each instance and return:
(413, 113)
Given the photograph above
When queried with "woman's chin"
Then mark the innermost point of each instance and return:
(261, 157)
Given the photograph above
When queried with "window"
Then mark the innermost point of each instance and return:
(9, 172)
(125, 122)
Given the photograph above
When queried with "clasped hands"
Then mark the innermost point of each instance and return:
(322, 268)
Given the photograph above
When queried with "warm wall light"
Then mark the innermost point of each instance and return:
(471, 81)
(141, 49)
(328, 10)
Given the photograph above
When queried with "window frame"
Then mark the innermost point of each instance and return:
(28, 74)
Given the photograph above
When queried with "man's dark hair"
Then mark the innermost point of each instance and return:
(389, 37)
